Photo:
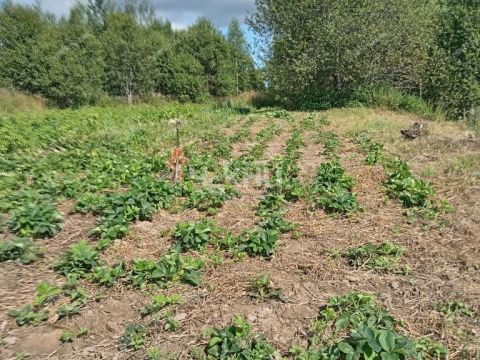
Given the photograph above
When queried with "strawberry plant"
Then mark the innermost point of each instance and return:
(160, 302)
(259, 242)
(332, 190)
(262, 289)
(373, 150)
(237, 341)
(456, 308)
(133, 337)
(79, 260)
(46, 293)
(209, 199)
(21, 250)
(378, 257)
(353, 326)
(69, 336)
(35, 219)
(107, 276)
(28, 316)
(193, 236)
(171, 268)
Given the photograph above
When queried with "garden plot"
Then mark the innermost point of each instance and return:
(299, 227)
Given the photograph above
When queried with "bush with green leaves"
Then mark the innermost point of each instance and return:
(35, 219)
(21, 250)
(80, 260)
(171, 268)
(384, 256)
(237, 341)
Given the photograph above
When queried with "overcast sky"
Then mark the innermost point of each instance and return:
(180, 12)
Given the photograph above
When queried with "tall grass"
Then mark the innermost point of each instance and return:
(12, 102)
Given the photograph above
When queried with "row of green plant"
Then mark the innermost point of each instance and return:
(349, 327)
(332, 189)
(353, 326)
(282, 186)
(83, 261)
(49, 295)
(415, 195)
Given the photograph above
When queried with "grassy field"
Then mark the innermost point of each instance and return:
(290, 235)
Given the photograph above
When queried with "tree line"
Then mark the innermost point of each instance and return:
(323, 53)
(105, 49)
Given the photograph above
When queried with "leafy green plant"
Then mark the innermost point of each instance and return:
(456, 308)
(171, 324)
(77, 295)
(353, 326)
(403, 185)
(259, 242)
(373, 150)
(35, 219)
(133, 337)
(332, 190)
(69, 336)
(193, 236)
(160, 302)
(108, 276)
(209, 199)
(28, 316)
(379, 257)
(236, 341)
(46, 293)
(171, 268)
(431, 348)
(79, 260)
(261, 288)
(21, 250)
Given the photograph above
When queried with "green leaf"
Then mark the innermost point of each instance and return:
(387, 340)
(346, 348)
